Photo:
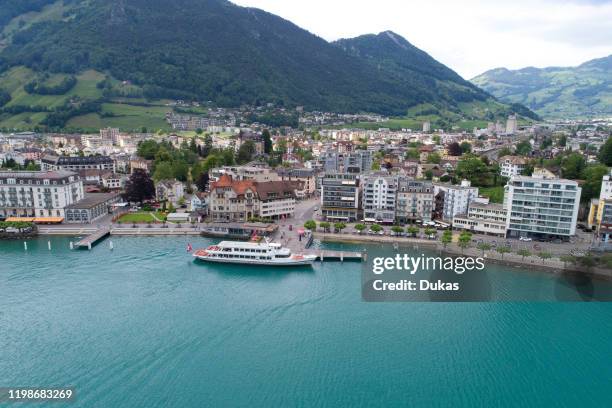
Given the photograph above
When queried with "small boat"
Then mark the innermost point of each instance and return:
(252, 253)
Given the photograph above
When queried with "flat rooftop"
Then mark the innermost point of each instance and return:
(92, 200)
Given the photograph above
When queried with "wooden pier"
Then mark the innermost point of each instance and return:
(94, 238)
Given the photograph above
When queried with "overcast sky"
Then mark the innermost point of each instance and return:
(469, 36)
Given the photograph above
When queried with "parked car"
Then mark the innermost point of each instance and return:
(525, 239)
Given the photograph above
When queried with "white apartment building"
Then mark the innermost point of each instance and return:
(482, 218)
(379, 197)
(453, 200)
(542, 207)
(39, 193)
(512, 165)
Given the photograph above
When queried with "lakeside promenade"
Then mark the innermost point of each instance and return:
(290, 239)
(533, 263)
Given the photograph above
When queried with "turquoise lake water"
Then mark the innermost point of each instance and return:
(146, 326)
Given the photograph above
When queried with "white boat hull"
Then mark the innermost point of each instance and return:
(306, 260)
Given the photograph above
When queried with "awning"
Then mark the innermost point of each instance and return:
(48, 220)
(20, 219)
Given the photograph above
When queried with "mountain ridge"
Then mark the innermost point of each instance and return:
(581, 91)
(214, 50)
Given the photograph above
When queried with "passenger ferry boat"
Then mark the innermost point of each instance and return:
(252, 253)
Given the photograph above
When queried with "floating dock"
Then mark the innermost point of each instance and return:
(93, 239)
(338, 256)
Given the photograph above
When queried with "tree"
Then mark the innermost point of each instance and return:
(360, 228)
(504, 151)
(412, 230)
(473, 169)
(434, 158)
(484, 246)
(429, 231)
(310, 225)
(202, 181)
(396, 229)
(454, 149)
(412, 154)
(447, 238)
(572, 166)
(208, 146)
(163, 171)
(466, 148)
(376, 228)
(325, 226)
(503, 250)
(147, 149)
(544, 256)
(523, 148)
(605, 153)
(339, 226)
(592, 177)
(139, 187)
(465, 238)
(245, 152)
(267, 141)
(180, 170)
(562, 141)
(523, 252)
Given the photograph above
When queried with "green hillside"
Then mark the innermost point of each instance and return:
(575, 92)
(65, 64)
(214, 50)
(28, 111)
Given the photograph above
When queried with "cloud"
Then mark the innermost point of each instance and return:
(470, 36)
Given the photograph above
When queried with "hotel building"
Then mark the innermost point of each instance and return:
(38, 194)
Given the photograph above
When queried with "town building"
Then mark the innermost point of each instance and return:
(340, 197)
(542, 207)
(246, 172)
(276, 199)
(512, 165)
(600, 210)
(379, 197)
(170, 191)
(489, 219)
(110, 135)
(38, 194)
(358, 161)
(307, 178)
(91, 208)
(240, 200)
(511, 125)
(76, 163)
(415, 200)
(451, 200)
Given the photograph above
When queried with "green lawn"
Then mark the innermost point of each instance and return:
(137, 217)
(495, 194)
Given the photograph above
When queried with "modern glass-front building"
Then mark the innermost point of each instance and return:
(542, 207)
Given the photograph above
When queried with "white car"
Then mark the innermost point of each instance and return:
(525, 239)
